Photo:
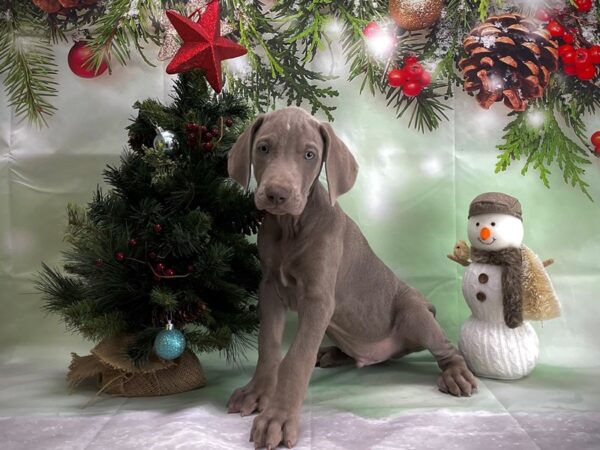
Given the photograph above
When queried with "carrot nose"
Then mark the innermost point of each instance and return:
(485, 233)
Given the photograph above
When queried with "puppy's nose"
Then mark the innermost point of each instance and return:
(277, 195)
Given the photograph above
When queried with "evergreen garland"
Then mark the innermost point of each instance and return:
(111, 281)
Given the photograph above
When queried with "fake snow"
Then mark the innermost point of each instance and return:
(488, 41)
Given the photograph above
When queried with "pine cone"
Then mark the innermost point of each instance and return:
(510, 58)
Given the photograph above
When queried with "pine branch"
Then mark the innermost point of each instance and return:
(27, 62)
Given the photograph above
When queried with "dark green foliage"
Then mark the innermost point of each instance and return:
(205, 219)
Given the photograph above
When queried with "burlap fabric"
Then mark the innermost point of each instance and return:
(116, 374)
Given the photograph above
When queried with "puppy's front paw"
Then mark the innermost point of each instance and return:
(274, 426)
(252, 397)
(457, 380)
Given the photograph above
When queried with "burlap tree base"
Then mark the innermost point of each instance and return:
(116, 374)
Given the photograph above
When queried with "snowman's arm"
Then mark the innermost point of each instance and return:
(548, 262)
(462, 262)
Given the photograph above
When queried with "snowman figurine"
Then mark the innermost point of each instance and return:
(504, 283)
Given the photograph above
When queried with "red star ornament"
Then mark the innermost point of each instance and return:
(203, 46)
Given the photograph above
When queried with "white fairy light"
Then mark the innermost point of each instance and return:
(381, 44)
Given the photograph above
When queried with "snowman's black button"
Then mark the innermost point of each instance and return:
(483, 278)
(481, 296)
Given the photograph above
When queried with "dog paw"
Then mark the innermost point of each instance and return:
(332, 357)
(457, 380)
(253, 397)
(274, 426)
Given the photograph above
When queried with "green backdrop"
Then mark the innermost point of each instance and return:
(410, 200)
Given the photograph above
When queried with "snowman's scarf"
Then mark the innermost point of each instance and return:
(511, 260)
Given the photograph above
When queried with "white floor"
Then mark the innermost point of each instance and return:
(390, 406)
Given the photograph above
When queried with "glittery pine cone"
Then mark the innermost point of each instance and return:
(509, 58)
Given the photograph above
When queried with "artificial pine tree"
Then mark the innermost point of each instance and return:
(169, 241)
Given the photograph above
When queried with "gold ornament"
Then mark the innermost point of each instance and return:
(414, 15)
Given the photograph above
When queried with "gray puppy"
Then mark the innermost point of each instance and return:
(316, 261)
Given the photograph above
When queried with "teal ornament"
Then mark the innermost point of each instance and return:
(164, 140)
(169, 343)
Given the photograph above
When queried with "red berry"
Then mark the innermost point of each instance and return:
(585, 72)
(568, 57)
(595, 139)
(208, 146)
(396, 77)
(191, 268)
(152, 256)
(568, 37)
(203, 129)
(120, 256)
(594, 54)
(412, 89)
(228, 123)
(425, 78)
(583, 5)
(169, 273)
(569, 69)
(410, 60)
(565, 48)
(582, 57)
(100, 262)
(158, 228)
(215, 132)
(542, 15)
(159, 268)
(371, 29)
(413, 71)
(555, 29)
(132, 242)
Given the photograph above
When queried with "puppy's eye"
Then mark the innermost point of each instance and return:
(493, 224)
(477, 224)
(309, 155)
(263, 148)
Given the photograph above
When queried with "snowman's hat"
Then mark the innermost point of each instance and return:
(495, 203)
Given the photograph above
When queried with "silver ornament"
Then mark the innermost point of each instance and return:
(164, 140)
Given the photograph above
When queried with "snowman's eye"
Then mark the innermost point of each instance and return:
(477, 224)
(493, 224)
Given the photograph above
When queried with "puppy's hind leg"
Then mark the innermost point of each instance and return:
(332, 357)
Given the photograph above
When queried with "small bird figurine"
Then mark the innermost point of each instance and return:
(461, 253)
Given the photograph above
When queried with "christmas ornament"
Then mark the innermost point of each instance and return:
(505, 285)
(203, 46)
(171, 42)
(132, 242)
(158, 228)
(595, 140)
(164, 140)
(169, 343)
(120, 256)
(415, 14)
(78, 57)
(509, 58)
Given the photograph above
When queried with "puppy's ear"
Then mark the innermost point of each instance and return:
(240, 156)
(340, 166)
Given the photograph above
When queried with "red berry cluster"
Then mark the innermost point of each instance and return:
(577, 60)
(412, 77)
(197, 134)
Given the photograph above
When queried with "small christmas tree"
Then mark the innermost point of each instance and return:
(169, 241)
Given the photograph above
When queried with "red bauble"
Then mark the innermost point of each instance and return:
(569, 69)
(413, 71)
(568, 57)
(595, 139)
(425, 78)
(396, 78)
(583, 6)
(412, 89)
(120, 256)
(158, 228)
(568, 37)
(585, 72)
(79, 54)
(582, 57)
(169, 273)
(555, 29)
(371, 29)
(594, 54)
